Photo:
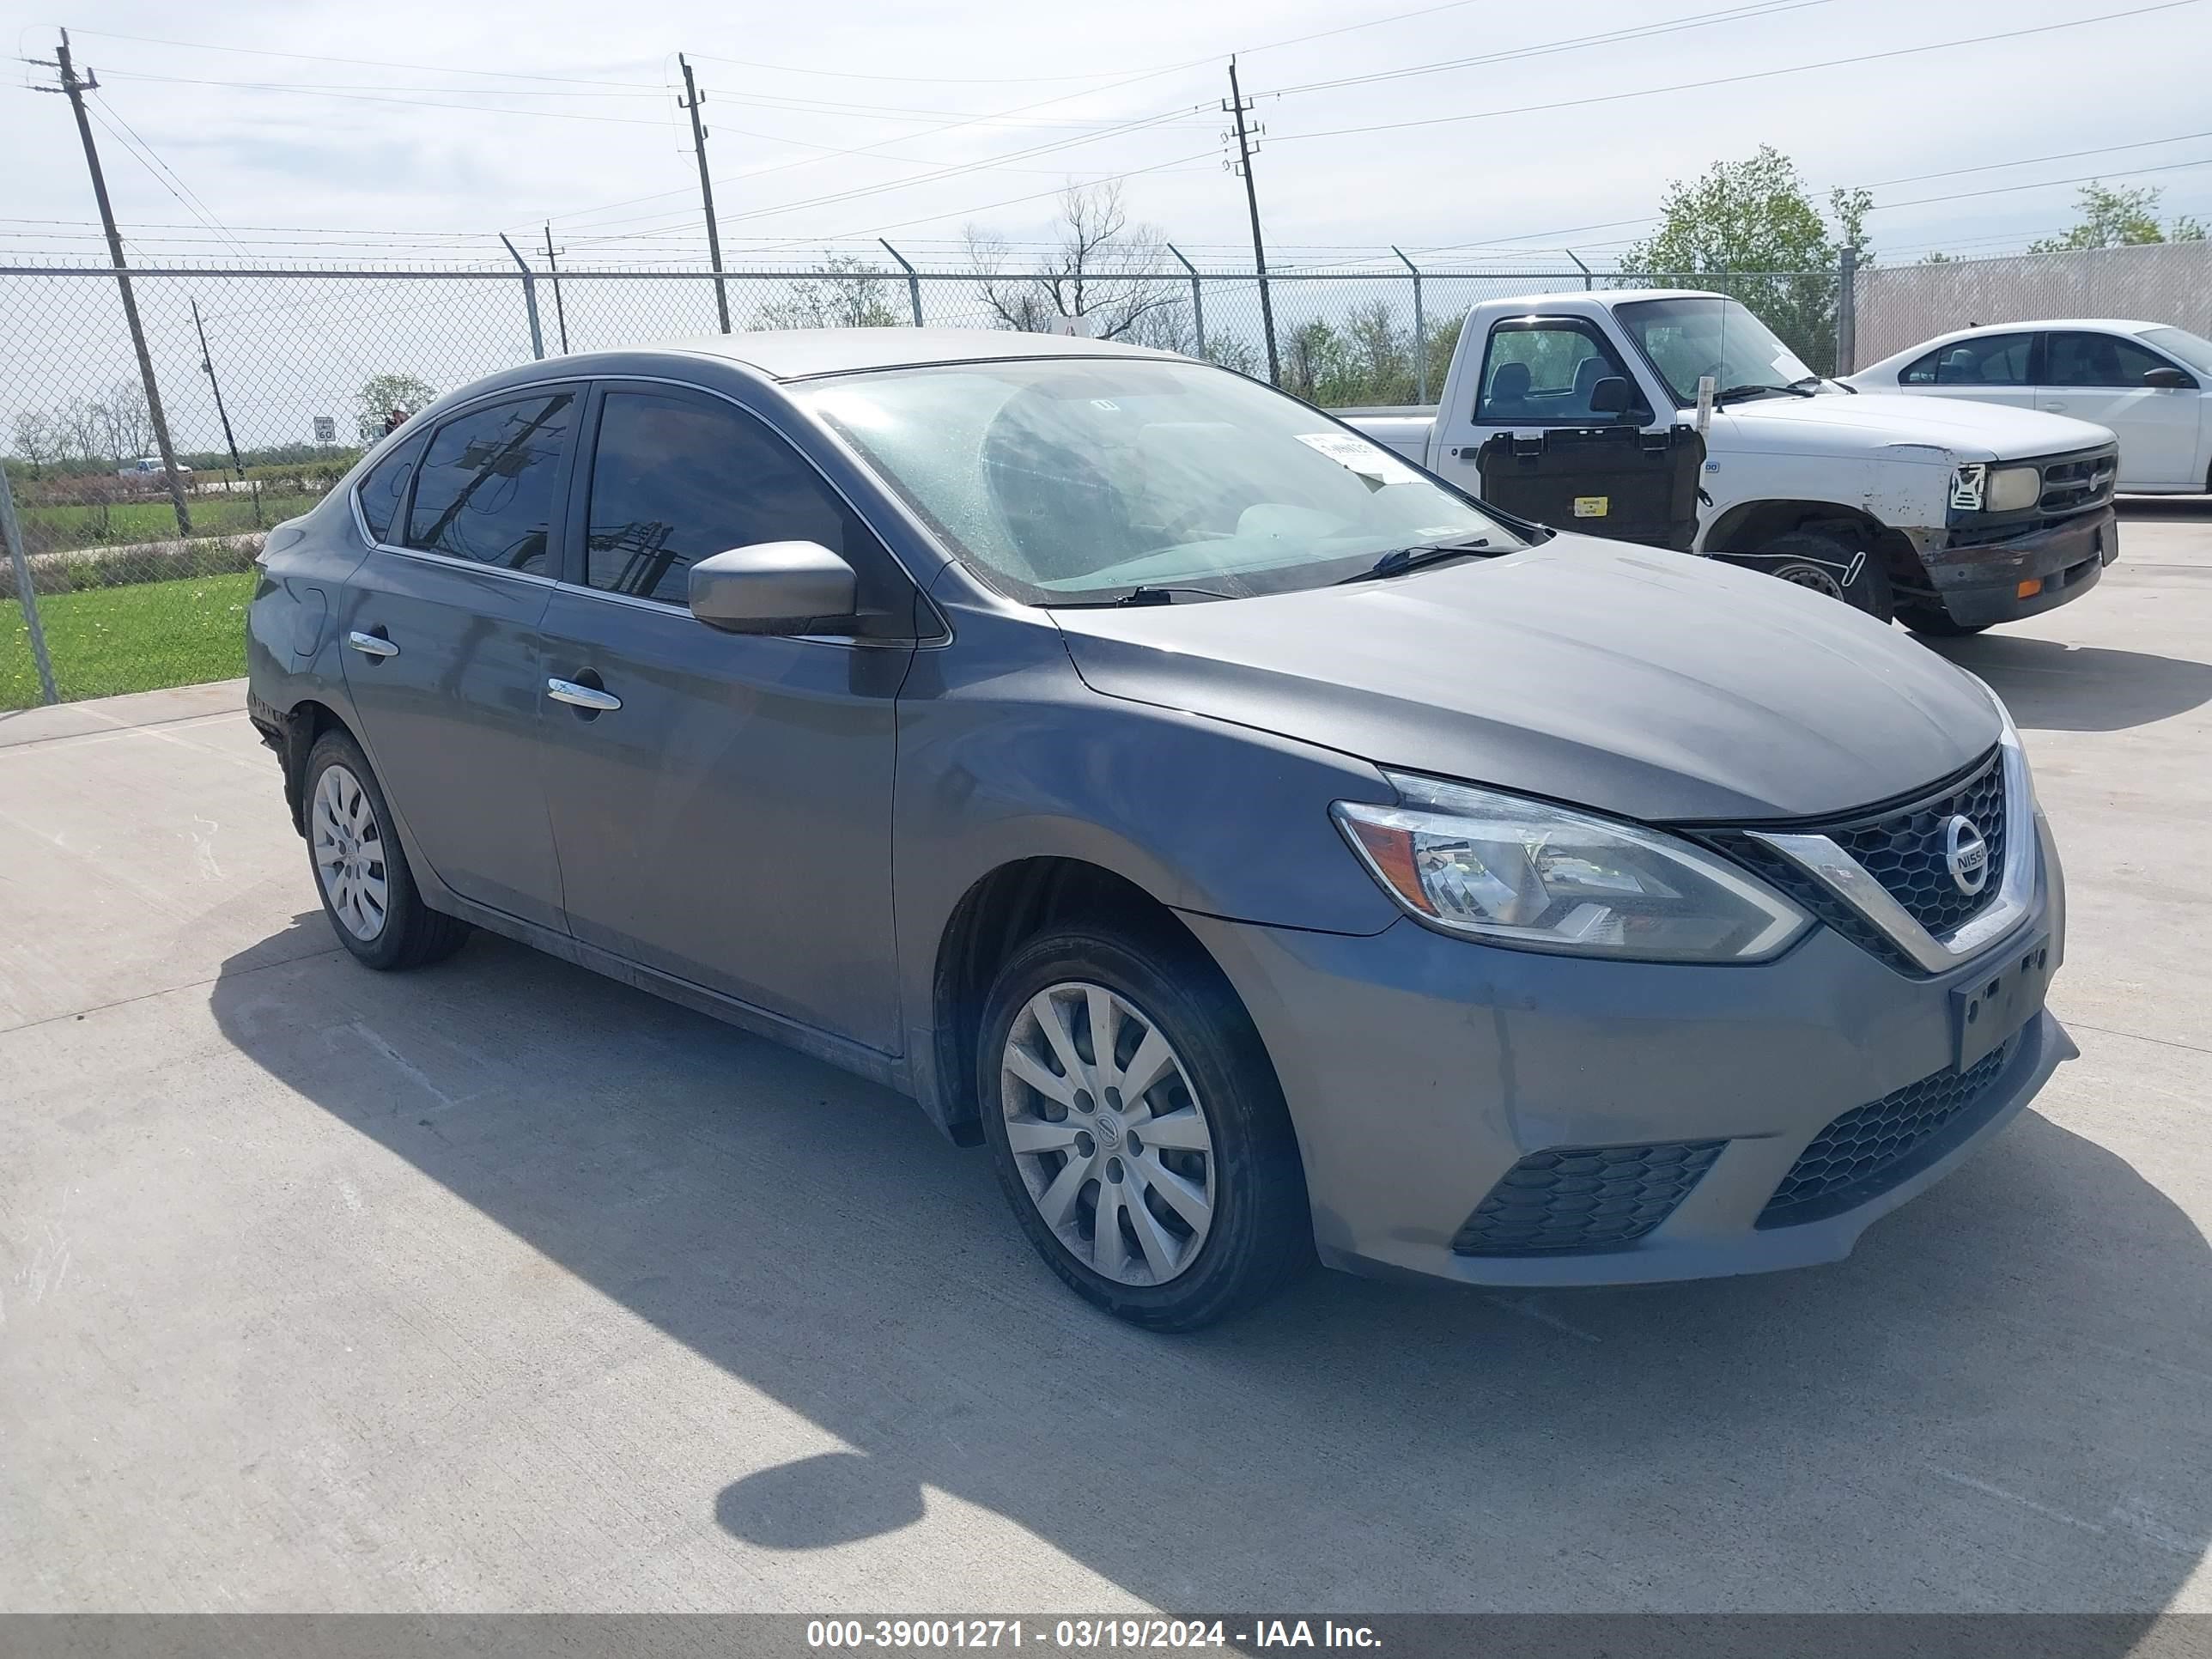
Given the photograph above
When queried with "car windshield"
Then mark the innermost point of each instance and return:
(2192, 348)
(1079, 480)
(1687, 339)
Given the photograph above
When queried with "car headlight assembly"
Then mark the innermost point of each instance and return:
(1527, 873)
(2012, 488)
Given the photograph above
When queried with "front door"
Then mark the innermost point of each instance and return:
(1537, 376)
(729, 822)
(440, 628)
(2099, 378)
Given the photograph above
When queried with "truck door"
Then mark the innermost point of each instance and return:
(1537, 375)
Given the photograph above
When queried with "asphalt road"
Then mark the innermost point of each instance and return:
(502, 1287)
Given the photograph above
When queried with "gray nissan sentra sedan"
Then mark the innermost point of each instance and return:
(1262, 847)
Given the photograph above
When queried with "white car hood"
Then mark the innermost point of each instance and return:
(1873, 420)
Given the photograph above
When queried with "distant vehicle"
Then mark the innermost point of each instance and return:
(2150, 383)
(148, 470)
(1952, 519)
(1259, 845)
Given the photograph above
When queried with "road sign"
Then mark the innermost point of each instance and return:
(326, 429)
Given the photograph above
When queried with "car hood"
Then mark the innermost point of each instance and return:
(1650, 685)
(1877, 420)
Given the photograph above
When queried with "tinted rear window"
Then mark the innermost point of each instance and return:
(385, 489)
(484, 491)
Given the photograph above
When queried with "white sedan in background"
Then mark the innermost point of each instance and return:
(2149, 383)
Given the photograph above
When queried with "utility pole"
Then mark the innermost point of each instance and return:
(1236, 106)
(560, 316)
(74, 90)
(207, 366)
(690, 101)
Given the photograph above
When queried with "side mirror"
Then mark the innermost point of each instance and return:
(1611, 396)
(774, 588)
(2165, 378)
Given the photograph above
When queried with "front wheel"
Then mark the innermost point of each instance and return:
(1139, 1131)
(1832, 565)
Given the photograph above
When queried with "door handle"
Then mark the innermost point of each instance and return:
(2054, 406)
(583, 697)
(372, 645)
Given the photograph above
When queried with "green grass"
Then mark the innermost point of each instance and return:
(106, 639)
(122, 523)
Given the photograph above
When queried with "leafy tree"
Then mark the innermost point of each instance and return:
(1748, 228)
(847, 292)
(2118, 218)
(382, 393)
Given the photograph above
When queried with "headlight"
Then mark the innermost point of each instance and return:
(1526, 874)
(2011, 488)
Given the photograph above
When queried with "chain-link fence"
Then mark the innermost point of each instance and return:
(2163, 282)
(271, 381)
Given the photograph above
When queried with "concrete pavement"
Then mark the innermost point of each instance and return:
(499, 1285)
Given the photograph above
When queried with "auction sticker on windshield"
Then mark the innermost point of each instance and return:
(1357, 455)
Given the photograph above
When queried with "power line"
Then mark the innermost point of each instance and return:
(365, 62)
(1736, 80)
(1740, 14)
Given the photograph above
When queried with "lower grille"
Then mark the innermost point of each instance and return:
(1869, 1149)
(1583, 1198)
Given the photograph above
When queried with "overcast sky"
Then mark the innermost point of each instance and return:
(964, 112)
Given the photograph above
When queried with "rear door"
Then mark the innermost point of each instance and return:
(1989, 368)
(1536, 374)
(729, 822)
(2099, 376)
(442, 660)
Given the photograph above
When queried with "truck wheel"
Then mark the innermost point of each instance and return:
(1935, 623)
(1831, 565)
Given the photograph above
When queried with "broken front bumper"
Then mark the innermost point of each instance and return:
(1981, 582)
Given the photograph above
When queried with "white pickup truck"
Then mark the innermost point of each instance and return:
(1950, 516)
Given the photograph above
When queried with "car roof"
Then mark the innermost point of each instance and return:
(2112, 324)
(798, 353)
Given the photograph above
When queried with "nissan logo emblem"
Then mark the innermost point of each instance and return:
(1965, 855)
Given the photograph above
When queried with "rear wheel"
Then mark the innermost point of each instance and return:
(360, 870)
(1139, 1131)
(1832, 565)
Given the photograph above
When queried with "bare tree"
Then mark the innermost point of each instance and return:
(83, 430)
(847, 292)
(1102, 267)
(125, 423)
(37, 437)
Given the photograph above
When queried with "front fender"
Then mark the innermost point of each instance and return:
(1005, 754)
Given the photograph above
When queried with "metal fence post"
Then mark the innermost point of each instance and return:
(1847, 310)
(11, 531)
(1197, 297)
(912, 282)
(1420, 331)
(529, 299)
(1588, 281)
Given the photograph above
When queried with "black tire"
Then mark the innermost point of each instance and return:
(1821, 560)
(1261, 1227)
(409, 934)
(1936, 623)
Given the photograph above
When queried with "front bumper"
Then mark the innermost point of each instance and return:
(1979, 583)
(1420, 1069)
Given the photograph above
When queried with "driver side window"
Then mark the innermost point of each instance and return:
(675, 478)
(1543, 373)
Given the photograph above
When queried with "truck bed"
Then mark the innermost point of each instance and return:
(1404, 429)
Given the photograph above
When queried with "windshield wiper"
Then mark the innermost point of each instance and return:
(1753, 391)
(1161, 593)
(1399, 560)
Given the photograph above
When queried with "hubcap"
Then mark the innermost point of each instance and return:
(349, 852)
(1812, 576)
(1111, 1139)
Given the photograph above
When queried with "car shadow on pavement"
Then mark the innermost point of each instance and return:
(2051, 686)
(1997, 1404)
